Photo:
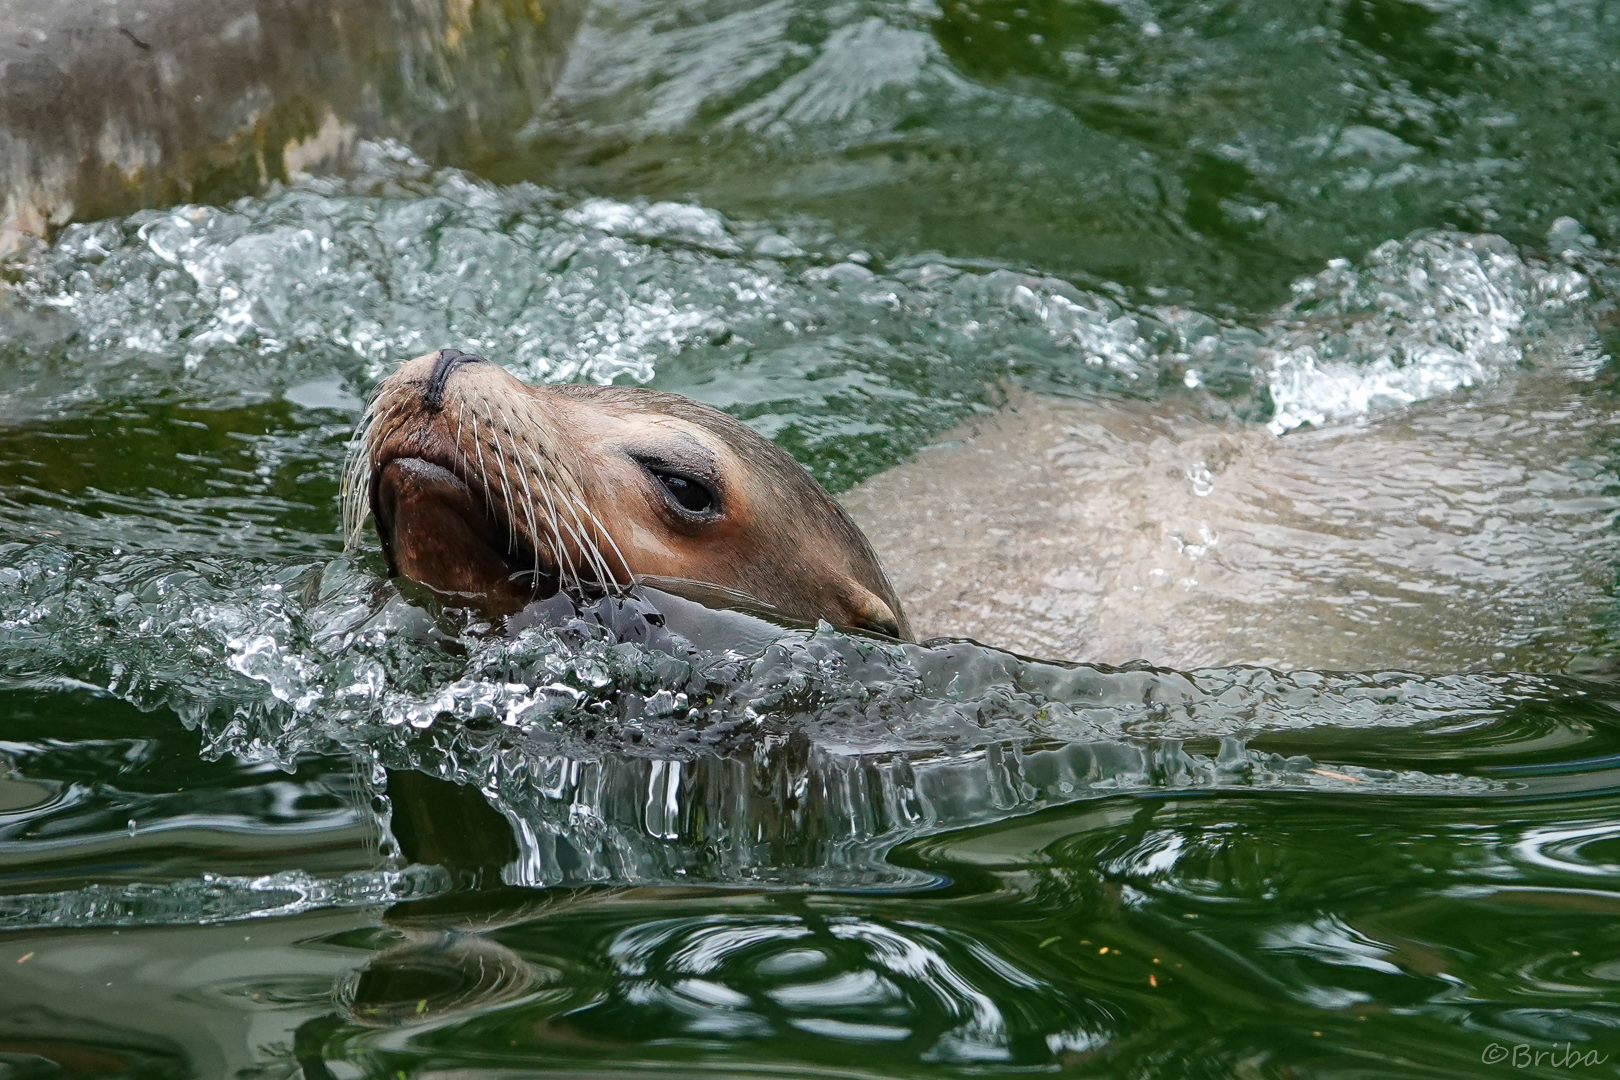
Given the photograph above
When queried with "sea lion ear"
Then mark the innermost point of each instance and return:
(868, 612)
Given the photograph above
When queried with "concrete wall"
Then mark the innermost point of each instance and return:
(107, 106)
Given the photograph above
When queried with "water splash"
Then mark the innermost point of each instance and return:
(215, 898)
(814, 343)
(619, 751)
(1417, 319)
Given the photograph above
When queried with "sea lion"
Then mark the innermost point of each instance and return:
(1466, 532)
(498, 493)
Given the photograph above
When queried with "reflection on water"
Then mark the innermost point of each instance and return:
(424, 980)
(1072, 938)
(616, 843)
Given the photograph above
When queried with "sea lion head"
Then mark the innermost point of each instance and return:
(498, 493)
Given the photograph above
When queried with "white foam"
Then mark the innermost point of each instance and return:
(1420, 317)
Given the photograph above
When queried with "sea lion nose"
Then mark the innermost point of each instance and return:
(444, 365)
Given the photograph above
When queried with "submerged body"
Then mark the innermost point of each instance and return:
(1471, 532)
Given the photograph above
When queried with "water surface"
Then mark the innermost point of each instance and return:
(263, 815)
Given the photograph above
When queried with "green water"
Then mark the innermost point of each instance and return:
(263, 817)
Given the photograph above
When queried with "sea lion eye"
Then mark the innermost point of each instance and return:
(687, 492)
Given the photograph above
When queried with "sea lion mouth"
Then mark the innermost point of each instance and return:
(436, 531)
(468, 498)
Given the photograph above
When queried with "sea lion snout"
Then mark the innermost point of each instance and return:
(497, 492)
(445, 362)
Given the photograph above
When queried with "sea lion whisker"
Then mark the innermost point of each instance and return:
(356, 460)
(528, 511)
(376, 405)
(509, 501)
(356, 469)
(483, 469)
(573, 498)
(461, 453)
(556, 525)
(599, 567)
(368, 412)
(353, 514)
(461, 409)
(576, 503)
(373, 417)
(506, 487)
(528, 502)
(553, 495)
(588, 548)
(611, 576)
(554, 536)
(358, 465)
(605, 573)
